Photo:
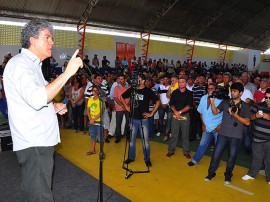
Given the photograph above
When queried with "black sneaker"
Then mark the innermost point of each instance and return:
(128, 161)
(148, 163)
(209, 177)
(107, 140)
(117, 140)
(191, 163)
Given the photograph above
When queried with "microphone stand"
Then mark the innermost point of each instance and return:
(102, 99)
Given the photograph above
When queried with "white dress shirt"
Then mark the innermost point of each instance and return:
(33, 121)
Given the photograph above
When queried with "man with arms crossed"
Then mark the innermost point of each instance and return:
(32, 115)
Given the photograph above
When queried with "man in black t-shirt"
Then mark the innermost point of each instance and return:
(139, 109)
(181, 102)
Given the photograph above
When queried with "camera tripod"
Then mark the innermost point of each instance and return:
(134, 104)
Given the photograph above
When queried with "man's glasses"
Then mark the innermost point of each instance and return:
(266, 97)
(210, 89)
(48, 38)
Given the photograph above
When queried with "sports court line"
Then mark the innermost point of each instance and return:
(239, 189)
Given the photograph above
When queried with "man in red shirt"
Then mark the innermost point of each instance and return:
(259, 94)
(119, 108)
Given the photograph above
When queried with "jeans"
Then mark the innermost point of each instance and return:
(246, 139)
(151, 126)
(233, 145)
(77, 112)
(3, 107)
(195, 124)
(205, 141)
(119, 119)
(161, 114)
(141, 125)
(94, 130)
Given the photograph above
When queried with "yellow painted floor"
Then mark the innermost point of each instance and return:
(170, 179)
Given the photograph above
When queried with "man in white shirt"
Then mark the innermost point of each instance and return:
(32, 115)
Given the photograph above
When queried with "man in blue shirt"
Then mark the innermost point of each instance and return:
(210, 124)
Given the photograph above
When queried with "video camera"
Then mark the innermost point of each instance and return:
(134, 79)
(221, 93)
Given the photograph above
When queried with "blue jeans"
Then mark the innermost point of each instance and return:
(151, 126)
(143, 126)
(77, 113)
(246, 139)
(205, 141)
(161, 114)
(233, 145)
(3, 107)
(94, 130)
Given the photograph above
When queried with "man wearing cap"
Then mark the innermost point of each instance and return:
(260, 93)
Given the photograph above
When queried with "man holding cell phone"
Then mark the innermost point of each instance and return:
(261, 138)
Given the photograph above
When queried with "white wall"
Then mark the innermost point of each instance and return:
(8, 49)
(264, 67)
(257, 55)
(247, 57)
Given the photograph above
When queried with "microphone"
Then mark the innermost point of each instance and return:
(64, 56)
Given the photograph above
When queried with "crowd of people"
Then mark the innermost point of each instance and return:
(178, 103)
(223, 106)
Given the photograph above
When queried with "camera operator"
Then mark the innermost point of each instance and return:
(139, 115)
(235, 115)
(210, 123)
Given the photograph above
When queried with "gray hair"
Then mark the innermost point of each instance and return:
(33, 29)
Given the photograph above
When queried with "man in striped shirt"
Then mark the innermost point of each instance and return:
(97, 81)
(198, 91)
(261, 138)
(164, 106)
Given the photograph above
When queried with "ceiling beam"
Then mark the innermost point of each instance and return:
(158, 15)
(259, 38)
(30, 16)
(90, 5)
(240, 27)
(212, 17)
